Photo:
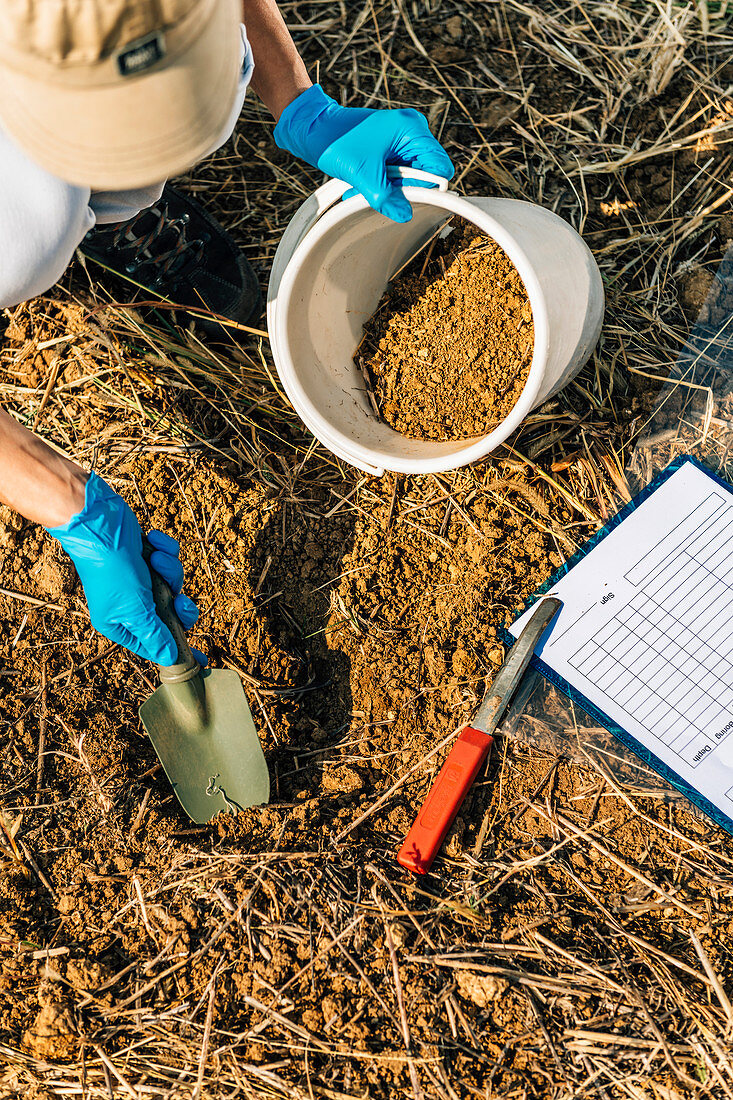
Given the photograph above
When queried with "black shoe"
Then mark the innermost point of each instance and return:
(178, 251)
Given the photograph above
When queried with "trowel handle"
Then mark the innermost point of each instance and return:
(186, 667)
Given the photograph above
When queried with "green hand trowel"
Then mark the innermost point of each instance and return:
(202, 729)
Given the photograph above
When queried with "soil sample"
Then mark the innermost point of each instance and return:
(448, 350)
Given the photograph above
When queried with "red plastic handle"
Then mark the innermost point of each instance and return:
(444, 800)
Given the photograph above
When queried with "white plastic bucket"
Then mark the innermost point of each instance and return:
(330, 270)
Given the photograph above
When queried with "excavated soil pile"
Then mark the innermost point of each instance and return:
(449, 347)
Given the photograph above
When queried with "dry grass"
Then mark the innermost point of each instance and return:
(615, 978)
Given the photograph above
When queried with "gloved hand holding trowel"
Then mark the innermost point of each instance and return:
(198, 720)
(103, 539)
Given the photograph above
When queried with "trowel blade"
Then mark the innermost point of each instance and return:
(203, 733)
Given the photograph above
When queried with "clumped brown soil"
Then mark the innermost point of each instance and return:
(449, 347)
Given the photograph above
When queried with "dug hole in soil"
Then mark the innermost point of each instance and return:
(447, 352)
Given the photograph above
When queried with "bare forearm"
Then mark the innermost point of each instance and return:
(35, 480)
(279, 75)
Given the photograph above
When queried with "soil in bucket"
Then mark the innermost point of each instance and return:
(447, 352)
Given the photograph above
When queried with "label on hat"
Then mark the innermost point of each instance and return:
(141, 55)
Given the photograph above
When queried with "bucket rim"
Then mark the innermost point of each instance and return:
(463, 452)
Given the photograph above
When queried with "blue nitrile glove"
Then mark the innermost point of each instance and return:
(104, 542)
(355, 144)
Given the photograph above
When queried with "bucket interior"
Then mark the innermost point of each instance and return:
(337, 289)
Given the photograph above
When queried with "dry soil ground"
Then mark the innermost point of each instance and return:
(574, 939)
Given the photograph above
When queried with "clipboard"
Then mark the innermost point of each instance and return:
(644, 640)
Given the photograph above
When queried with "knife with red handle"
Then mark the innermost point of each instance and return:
(471, 749)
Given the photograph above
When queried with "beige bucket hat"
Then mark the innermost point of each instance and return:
(117, 94)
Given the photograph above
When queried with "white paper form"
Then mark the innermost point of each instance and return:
(645, 632)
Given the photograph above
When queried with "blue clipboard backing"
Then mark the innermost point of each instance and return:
(644, 754)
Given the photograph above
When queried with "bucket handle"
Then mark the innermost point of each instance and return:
(328, 195)
(334, 190)
(403, 171)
